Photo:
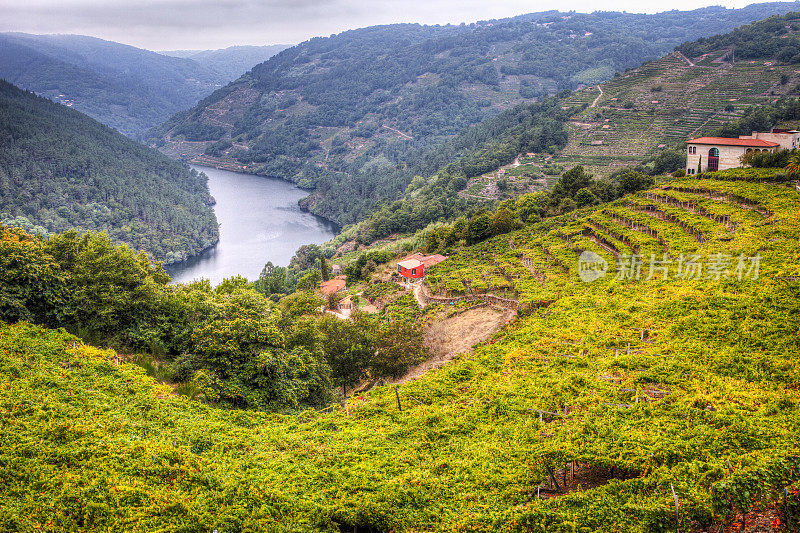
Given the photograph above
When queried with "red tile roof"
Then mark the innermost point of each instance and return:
(725, 141)
(433, 260)
(333, 286)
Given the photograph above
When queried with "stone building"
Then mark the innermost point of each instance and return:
(709, 154)
(787, 139)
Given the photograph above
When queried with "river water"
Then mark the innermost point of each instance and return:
(259, 220)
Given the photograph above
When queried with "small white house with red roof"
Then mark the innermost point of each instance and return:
(709, 154)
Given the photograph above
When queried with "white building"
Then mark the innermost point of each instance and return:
(709, 154)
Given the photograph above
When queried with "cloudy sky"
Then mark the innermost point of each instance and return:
(204, 24)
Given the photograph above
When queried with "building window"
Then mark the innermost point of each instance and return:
(413, 271)
(713, 160)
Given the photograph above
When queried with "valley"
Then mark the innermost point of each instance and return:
(542, 313)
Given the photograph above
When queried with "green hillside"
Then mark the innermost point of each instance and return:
(640, 120)
(60, 170)
(583, 414)
(354, 116)
(124, 87)
(694, 91)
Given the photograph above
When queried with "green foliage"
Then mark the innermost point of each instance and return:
(762, 118)
(365, 264)
(111, 288)
(358, 115)
(688, 384)
(773, 38)
(348, 346)
(61, 170)
(375, 290)
(398, 345)
(32, 284)
(478, 228)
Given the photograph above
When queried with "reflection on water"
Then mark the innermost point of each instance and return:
(259, 220)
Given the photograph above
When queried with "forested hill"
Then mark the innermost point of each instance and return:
(350, 115)
(60, 169)
(231, 62)
(127, 88)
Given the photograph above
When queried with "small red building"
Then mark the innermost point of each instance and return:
(411, 268)
(415, 265)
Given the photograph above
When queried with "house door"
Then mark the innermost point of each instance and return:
(713, 160)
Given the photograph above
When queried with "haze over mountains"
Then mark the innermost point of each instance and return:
(229, 62)
(124, 87)
(356, 115)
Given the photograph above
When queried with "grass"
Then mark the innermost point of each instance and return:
(89, 444)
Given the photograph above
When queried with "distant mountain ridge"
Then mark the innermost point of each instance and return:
(230, 62)
(353, 115)
(61, 170)
(122, 86)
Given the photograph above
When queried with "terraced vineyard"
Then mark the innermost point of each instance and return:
(665, 102)
(611, 405)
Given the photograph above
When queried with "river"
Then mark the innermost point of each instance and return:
(259, 221)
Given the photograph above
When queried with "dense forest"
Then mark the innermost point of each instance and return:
(353, 115)
(124, 87)
(777, 37)
(60, 170)
(537, 127)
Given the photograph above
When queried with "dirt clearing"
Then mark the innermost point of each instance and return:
(449, 337)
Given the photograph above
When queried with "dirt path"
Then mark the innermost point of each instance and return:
(418, 295)
(452, 336)
(688, 61)
(400, 133)
(598, 96)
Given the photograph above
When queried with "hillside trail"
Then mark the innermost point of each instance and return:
(688, 61)
(405, 136)
(599, 88)
(417, 290)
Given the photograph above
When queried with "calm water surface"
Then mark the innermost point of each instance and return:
(259, 220)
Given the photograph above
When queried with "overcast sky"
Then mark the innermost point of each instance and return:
(205, 24)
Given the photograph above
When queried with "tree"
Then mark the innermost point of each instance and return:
(668, 162)
(32, 284)
(793, 167)
(310, 281)
(478, 228)
(111, 287)
(570, 183)
(630, 182)
(399, 345)
(324, 268)
(502, 221)
(585, 197)
(348, 346)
